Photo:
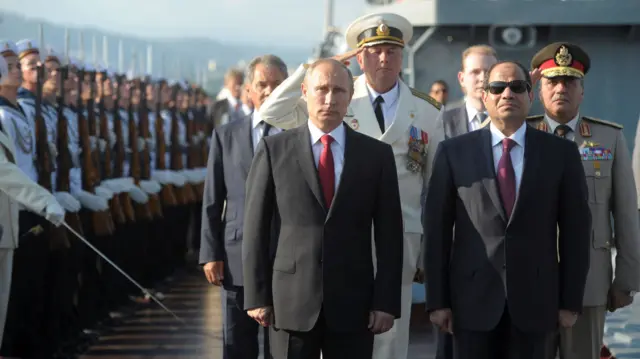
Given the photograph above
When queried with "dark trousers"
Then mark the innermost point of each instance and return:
(505, 341)
(240, 331)
(444, 349)
(286, 344)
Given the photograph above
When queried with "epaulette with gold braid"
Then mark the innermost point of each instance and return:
(535, 118)
(427, 98)
(355, 78)
(603, 122)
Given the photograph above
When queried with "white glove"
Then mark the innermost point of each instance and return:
(183, 143)
(102, 144)
(151, 143)
(201, 135)
(141, 144)
(67, 201)
(112, 138)
(104, 192)
(177, 179)
(127, 150)
(150, 187)
(195, 139)
(162, 177)
(75, 159)
(91, 201)
(54, 213)
(111, 185)
(93, 143)
(53, 150)
(138, 196)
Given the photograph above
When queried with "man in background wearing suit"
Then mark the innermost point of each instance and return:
(385, 108)
(469, 114)
(230, 156)
(612, 194)
(229, 108)
(518, 200)
(329, 185)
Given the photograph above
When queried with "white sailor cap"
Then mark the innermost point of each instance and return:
(27, 47)
(381, 28)
(8, 48)
(51, 55)
(4, 71)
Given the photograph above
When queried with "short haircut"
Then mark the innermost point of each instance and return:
(477, 49)
(266, 60)
(440, 82)
(234, 73)
(327, 61)
(527, 75)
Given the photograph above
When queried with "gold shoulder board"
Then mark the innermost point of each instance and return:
(603, 122)
(535, 118)
(427, 98)
(355, 78)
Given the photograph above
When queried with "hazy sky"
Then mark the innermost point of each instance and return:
(293, 22)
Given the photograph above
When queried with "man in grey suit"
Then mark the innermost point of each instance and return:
(320, 293)
(229, 109)
(469, 114)
(518, 200)
(230, 156)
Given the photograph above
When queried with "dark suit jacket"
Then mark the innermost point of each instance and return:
(468, 270)
(323, 256)
(219, 109)
(455, 120)
(230, 158)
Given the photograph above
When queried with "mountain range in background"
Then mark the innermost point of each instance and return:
(187, 58)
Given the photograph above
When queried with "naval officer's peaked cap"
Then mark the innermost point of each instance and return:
(381, 28)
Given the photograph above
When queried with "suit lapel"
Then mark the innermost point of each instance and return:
(461, 122)
(530, 164)
(244, 142)
(489, 179)
(362, 111)
(405, 113)
(347, 168)
(304, 156)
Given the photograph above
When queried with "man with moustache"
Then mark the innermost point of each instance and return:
(319, 293)
(612, 194)
(385, 108)
(470, 114)
(230, 155)
(518, 200)
(18, 191)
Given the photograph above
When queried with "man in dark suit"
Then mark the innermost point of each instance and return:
(321, 292)
(516, 265)
(230, 156)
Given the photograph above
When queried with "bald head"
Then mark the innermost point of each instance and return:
(328, 88)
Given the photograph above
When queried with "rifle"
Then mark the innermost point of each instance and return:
(118, 166)
(192, 150)
(142, 210)
(167, 194)
(184, 194)
(102, 222)
(64, 161)
(143, 125)
(115, 204)
(44, 163)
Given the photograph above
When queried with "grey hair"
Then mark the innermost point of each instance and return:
(330, 61)
(234, 73)
(266, 60)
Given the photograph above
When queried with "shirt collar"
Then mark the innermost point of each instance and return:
(553, 123)
(518, 136)
(338, 134)
(232, 101)
(389, 97)
(255, 119)
(471, 111)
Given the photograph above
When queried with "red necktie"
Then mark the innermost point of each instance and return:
(326, 171)
(507, 177)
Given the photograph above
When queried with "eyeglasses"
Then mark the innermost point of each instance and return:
(516, 86)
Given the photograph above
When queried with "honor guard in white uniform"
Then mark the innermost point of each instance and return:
(612, 195)
(383, 107)
(17, 190)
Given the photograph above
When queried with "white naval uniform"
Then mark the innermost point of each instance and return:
(285, 108)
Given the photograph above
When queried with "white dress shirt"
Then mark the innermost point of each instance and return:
(517, 151)
(572, 125)
(390, 104)
(474, 122)
(257, 129)
(246, 110)
(337, 148)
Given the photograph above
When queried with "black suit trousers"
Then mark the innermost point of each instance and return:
(505, 341)
(240, 332)
(287, 344)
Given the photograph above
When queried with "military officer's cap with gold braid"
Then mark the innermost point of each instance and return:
(376, 29)
(562, 59)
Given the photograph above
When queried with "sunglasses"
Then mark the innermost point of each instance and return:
(516, 86)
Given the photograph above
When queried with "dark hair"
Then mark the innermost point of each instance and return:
(440, 82)
(527, 76)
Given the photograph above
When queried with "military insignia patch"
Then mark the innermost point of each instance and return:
(418, 143)
(383, 30)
